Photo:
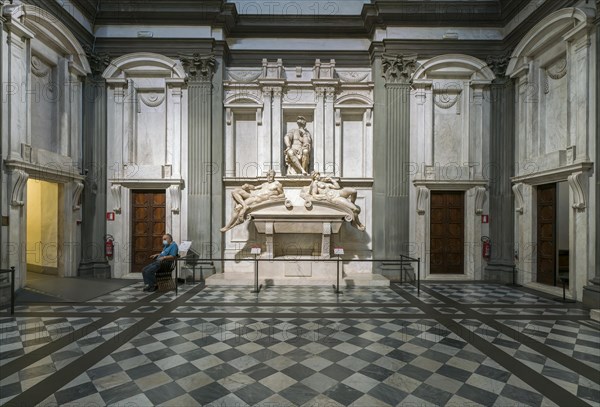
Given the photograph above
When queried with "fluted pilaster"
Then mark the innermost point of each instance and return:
(391, 187)
(502, 159)
(200, 71)
(591, 292)
(95, 164)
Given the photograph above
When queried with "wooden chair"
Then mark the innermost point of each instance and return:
(164, 276)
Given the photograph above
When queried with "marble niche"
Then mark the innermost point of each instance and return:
(283, 124)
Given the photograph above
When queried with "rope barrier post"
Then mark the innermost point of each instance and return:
(176, 277)
(337, 287)
(514, 276)
(419, 276)
(12, 291)
(401, 269)
(256, 286)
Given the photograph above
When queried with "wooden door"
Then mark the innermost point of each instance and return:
(447, 233)
(148, 226)
(546, 234)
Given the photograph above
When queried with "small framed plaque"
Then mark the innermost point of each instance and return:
(338, 251)
(185, 245)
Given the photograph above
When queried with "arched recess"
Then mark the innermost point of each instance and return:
(53, 33)
(243, 99)
(454, 66)
(563, 24)
(144, 64)
(354, 99)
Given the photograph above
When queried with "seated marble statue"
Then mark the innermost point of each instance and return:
(298, 144)
(249, 196)
(328, 189)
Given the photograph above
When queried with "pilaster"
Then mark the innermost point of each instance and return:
(591, 292)
(276, 148)
(93, 227)
(391, 185)
(201, 167)
(501, 169)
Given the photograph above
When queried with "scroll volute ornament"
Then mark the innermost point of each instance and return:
(398, 68)
(199, 68)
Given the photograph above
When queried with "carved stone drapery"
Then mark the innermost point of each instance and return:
(518, 191)
(199, 68)
(77, 196)
(175, 191)
(18, 180)
(116, 193)
(422, 195)
(479, 199)
(398, 68)
(576, 183)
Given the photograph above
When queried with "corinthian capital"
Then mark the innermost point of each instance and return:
(98, 61)
(498, 64)
(199, 68)
(398, 68)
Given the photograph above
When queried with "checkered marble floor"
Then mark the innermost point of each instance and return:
(299, 294)
(21, 335)
(297, 310)
(579, 341)
(583, 387)
(487, 294)
(302, 346)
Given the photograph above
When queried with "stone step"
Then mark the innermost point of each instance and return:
(247, 279)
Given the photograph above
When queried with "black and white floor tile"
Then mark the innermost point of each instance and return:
(303, 346)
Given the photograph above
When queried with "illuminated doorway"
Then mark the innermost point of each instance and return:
(42, 227)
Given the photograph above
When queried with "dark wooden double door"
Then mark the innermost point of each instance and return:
(546, 234)
(148, 226)
(447, 232)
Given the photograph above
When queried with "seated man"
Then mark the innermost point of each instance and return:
(169, 253)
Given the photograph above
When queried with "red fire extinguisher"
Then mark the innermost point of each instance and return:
(486, 248)
(109, 246)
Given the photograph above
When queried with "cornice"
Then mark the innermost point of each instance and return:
(87, 7)
(298, 58)
(170, 47)
(481, 49)
(56, 9)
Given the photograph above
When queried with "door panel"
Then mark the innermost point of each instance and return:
(148, 226)
(447, 233)
(546, 234)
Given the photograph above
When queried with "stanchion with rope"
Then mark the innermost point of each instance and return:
(514, 273)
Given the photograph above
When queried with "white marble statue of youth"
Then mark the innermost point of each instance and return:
(298, 146)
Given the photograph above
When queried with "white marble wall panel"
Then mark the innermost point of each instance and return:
(44, 105)
(150, 125)
(247, 161)
(448, 136)
(555, 105)
(353, 141)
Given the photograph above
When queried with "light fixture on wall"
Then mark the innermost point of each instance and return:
(145, 34)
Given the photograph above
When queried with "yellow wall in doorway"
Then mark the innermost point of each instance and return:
(42, 223)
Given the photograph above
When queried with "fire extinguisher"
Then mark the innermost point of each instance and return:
(109, 246)
(486, 248)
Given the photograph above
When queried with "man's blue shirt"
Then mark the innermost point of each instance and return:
(170, 250)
